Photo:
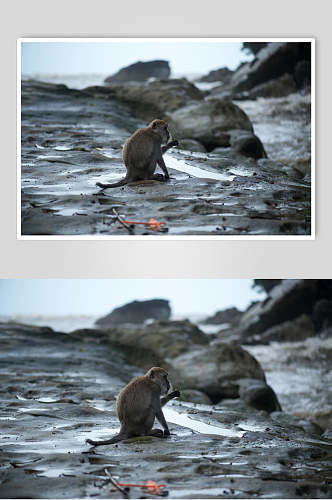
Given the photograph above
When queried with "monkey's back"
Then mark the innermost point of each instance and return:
(135, 404)
(139, 149)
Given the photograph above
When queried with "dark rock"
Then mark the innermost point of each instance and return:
(246, 143)
(302, 74)
(258, 395)
(192, 145)
(231, 315)
(295, 330)
(271, 62)
(278, 87)
(194, 396)
(136, 312)
(322, 314)
(141, 71)
(286, 301)
(209, 122)
(219, 75)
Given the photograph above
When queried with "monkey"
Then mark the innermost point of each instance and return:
(139, 403)
(142, 152)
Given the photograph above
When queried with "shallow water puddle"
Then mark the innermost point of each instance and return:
(252, 428)
(177, 164)
(182, 166)
(198, 426)
(205, 493)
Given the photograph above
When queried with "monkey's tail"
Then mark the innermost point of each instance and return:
(114, 439)
(122, 182)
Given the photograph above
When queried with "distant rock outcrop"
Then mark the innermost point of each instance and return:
(231, 315)
(136, 312)
(140, 72)
(223, 75)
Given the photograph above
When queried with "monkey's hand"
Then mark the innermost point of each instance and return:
(166, 433)
(174, 143)
(175, 394)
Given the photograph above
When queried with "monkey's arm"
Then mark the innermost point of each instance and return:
(161, 419)
(168, 146)
(162, 165)
(164, 400)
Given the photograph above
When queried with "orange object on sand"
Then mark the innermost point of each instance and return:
(153, 223)
(150, 486)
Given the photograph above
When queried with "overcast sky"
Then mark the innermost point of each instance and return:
(98, 296)
(108, 57)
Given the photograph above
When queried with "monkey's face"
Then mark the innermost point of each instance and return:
(160, 377)
(160, 127)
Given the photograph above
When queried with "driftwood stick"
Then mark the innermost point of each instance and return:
(115, 484)
(129, 229)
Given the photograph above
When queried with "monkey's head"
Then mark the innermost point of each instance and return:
(159, 376)
(160, 127)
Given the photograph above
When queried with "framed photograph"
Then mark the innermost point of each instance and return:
(186, 388)
(176, 138)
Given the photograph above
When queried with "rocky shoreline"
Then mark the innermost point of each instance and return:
(242, 166)
(235, 432)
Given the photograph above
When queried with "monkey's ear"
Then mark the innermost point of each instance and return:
(154, 125)
(151, 374)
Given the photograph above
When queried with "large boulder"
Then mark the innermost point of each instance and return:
(258, 395)
(136, 312)
(246, 143)
(155, 99)
(140, 72)
(209, 121)
(162, 339)
(216, 370)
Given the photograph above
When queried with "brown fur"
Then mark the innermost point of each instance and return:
(139, 403)
(143, 152)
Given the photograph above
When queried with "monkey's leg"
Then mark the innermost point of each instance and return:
(168, 146)
(165, 399)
